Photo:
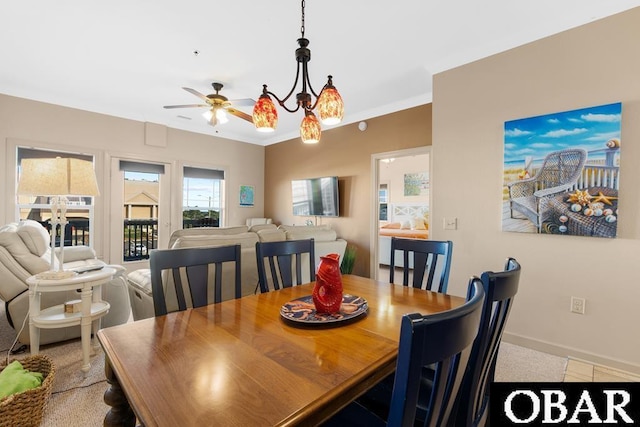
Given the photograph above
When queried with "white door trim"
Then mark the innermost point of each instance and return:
(375, 183)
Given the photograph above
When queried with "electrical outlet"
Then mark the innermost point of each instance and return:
(577, 305)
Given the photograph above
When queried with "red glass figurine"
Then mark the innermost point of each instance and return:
(327, 293)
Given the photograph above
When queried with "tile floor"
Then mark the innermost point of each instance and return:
(579, 371)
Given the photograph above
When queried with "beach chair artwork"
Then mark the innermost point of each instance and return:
(562, 173)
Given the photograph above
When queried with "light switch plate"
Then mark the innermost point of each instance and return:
(451, 223)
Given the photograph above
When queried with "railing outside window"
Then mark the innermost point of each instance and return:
(201, 222)
(141, 235)
(76, 233)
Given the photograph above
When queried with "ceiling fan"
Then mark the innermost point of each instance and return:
(219, 106)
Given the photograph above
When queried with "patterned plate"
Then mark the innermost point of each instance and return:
(302, 310)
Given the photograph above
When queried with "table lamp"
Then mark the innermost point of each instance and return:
(57, 178)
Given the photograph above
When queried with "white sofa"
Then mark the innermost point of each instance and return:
(326, 241)
(25, 251)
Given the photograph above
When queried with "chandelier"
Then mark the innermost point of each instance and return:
(328, 103)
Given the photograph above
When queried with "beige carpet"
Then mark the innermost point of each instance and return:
(76, 400)
(520, 364)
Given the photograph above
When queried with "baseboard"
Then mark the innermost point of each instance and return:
(573, 353)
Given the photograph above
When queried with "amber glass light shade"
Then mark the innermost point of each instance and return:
(265, 116)
(310, 129)
(330, 106)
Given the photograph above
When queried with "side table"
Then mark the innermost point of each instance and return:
(92, 307)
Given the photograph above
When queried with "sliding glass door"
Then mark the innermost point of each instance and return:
(140, 210)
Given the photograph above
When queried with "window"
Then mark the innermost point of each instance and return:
(202, 197)
(383, 199)
(80, 210)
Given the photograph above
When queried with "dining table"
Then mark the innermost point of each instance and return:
(262, 360)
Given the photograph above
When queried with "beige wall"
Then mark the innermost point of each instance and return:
(346, 153)
(50, 126)
(587, 66)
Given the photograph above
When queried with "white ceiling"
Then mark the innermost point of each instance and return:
(128, 58)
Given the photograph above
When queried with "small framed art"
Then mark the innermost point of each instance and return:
(246, 195)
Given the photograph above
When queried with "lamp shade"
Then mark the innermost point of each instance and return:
(330, 106)
(310, 129)
(57, 177)
(265, 116)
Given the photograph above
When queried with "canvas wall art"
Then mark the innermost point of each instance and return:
(562, 172)
(416, 184)
(246, 195)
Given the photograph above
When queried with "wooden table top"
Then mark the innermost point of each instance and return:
(239, 363)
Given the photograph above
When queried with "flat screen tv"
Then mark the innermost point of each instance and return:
(315, 196)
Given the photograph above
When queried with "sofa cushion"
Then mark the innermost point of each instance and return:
(245, 240)
(258, 227)
(271, 235)
(206, 231)
(255, 221)
(77, 253)
(141, 279)
(34, 236)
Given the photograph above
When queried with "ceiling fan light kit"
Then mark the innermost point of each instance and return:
(215, 116)
(328, 102)
(219, 106)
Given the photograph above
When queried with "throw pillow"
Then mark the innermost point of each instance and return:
(417, 224)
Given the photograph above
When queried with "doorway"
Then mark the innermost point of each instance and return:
(401, 199)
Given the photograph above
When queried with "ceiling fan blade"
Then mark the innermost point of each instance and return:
(186, 106)
(240, 114)
(196, 93)
(245, 102)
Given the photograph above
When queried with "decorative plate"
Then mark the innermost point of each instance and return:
(303, 311)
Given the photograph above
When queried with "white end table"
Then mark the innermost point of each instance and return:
(92, 307)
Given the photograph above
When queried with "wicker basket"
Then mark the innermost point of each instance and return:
(26, 409)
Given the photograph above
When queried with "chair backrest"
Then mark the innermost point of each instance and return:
(427, 257)
(500, 289)
(442, 342)
(280, 257)
(561, 167)
(198, 265)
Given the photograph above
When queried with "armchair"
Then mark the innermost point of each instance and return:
(24, 251)
(560, 171)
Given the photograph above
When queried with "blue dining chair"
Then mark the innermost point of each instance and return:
(196, 262)
(500, 289)
(422, 259)
(441, 342)
(473, 399)
(285, 263)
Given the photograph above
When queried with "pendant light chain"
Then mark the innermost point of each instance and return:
(302, 20)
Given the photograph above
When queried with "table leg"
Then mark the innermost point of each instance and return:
(120, 414)
(85, 328)
(34, 331)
